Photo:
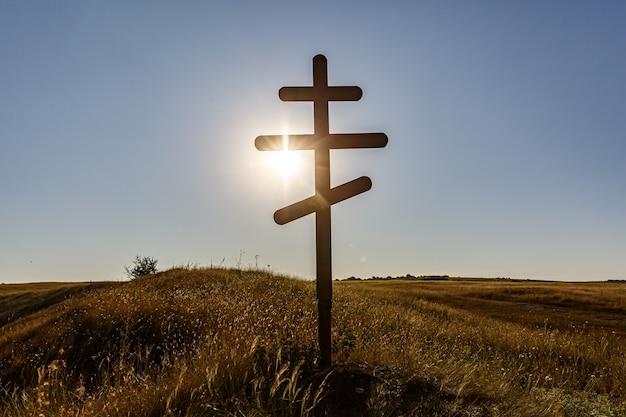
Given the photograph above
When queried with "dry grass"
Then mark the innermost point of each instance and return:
(525, 348)
(215, 342)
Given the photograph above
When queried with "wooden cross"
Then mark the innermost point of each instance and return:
(321, 142)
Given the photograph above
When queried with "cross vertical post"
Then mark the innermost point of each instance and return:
(321, 142)
(322, 216)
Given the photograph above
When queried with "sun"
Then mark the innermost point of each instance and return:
(285, 162)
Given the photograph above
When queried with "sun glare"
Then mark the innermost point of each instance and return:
(284, 162)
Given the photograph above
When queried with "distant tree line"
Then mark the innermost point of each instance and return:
(403, 277)
(446, 277)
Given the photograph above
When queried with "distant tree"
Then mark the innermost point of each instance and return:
(142, 265)
(353, 278)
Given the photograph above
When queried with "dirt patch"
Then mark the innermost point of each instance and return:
(348, 389)
(354, 390)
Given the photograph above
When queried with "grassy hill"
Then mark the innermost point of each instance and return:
(217, 342)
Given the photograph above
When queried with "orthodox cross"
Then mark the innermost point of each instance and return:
(321, 142)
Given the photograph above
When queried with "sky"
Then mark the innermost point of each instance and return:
(128, 128)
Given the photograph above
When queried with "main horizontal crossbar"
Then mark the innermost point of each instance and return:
(310, 142)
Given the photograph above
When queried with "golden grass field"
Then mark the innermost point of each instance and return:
(219, 342)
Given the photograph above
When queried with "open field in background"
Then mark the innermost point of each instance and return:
(217, 342)
(17, 300)
(554, 305)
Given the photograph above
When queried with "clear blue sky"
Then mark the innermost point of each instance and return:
(128, 128)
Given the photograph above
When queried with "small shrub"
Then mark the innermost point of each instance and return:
(143, 265)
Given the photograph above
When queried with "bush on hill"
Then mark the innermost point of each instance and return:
(142, 266)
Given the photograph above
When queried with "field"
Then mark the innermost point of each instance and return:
(219, 342)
